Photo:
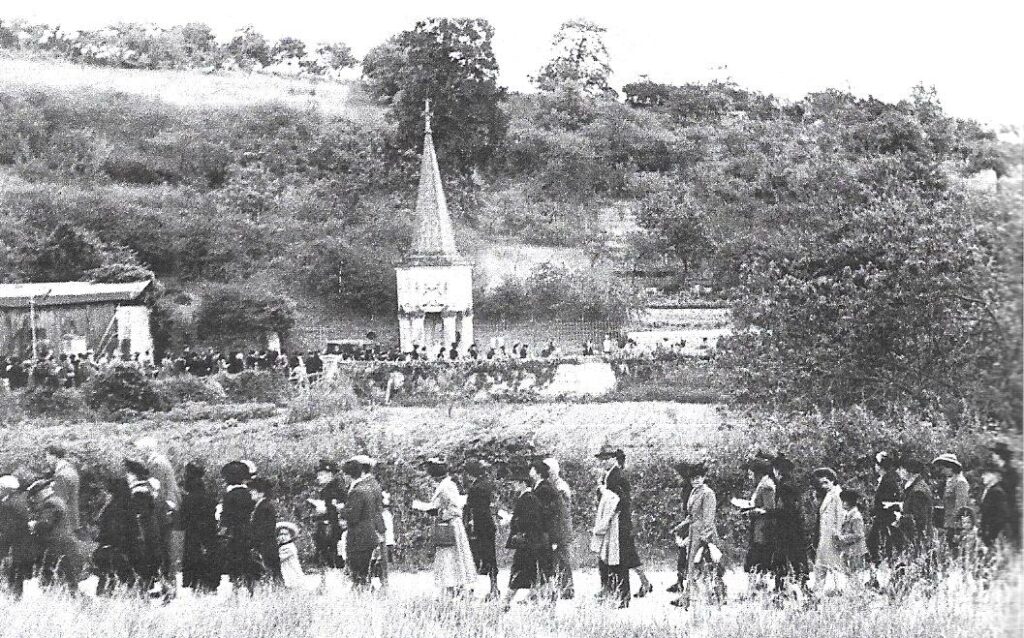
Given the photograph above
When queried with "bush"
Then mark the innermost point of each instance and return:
(256, 387)
(237, 315)
(324, 399)
(123, 387)
(185, 388)
(67, 404)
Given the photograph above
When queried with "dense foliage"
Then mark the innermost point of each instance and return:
(230, 315)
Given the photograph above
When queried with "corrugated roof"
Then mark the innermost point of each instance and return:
(68, 292)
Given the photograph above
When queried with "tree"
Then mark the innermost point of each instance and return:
(451, 63)
(288, 48)
(68, 253)
(579, 58)
(242, 313)
(248, 47)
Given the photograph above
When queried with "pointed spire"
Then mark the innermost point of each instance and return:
(434, 242)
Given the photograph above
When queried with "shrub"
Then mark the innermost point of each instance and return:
(185, 388)
(237, 315)
(61, 403)
(324, 399)
(123, 387)
(251, 386)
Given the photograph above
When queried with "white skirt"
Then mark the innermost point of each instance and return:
(454, 566)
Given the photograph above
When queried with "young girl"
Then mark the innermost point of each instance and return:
(851, 541)
(291, 569)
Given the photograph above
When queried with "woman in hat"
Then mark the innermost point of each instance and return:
(788, 543)
(616, 480)
(955, 497)
(291, 568)
(830, 516)
(453, 565)
(479, 521)
(235, 523)
(198, 522)
(995, 509)
(703, 555)
(526, 536)
(264, 532)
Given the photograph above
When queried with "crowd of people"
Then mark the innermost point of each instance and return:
(54, 371)
(151, 527)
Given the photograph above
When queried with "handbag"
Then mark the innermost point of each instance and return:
(442, 534)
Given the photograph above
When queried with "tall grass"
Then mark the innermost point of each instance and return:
(961, 606)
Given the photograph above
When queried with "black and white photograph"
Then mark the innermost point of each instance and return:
(511, 320)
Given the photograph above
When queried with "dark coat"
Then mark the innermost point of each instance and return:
(915, 525)
(333, 491)
(113, 519)
(15, 538)
(529, 540)
(235, 525)
(553, 511)
(477, 514)
(363, 512)
(264, 538)
(995, 514)
(789, 545)
(196, 519)
(617, 482)
(147, 517)
(888, 491)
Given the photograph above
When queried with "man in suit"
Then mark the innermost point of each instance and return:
(65, 482)
(264, 532)
(995, 507)
(616, 581)
(363, 513)
(478, 518)
(549, 502)
(51, 527)
(235, 522)
(16, 543)
(379, 561)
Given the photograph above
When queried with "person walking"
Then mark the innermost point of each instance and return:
(758, 559)
(995, 519)
(263, 534)
(617, 482)
(198, 524)
(146, 550)
(453, 561)
(563, 523)
(703, 555)
(478, 518)
(527, 536)
(50, 525)
(828, 560)
(612, 534)
(16, 542)
(66, 482)
(788, 542)
(111, 557)
(362, 513)
(235, 524)
(880, 542)
(955, 499)
(327, 530)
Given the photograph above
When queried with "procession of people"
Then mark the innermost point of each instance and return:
(151, 529)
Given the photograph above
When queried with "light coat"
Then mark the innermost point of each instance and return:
(830, 526)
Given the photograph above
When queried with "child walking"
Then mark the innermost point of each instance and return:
(291, 569)
(851, 538)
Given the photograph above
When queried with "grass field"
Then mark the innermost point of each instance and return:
(412, 608)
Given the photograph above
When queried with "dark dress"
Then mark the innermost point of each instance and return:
(146, 553)
(328, 527)
(264, 542)
(16, 542)
(111, 557)
(617, 482)
(789, 546)
(995, 515)
(880, 539)
(197, 521)
(235, 523)
(480, 525)
(526, 536)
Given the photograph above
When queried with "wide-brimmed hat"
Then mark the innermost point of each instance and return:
(609, 452)
(136, 467)
(364, 460)
(37, 487)
(235, 472)
(327, 465)
(949, 460)
(292, 528)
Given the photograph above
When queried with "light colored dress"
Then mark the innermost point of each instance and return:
(291, 569)
(830, 526)
(453, 566)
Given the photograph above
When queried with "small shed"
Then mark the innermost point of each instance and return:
(74, 317)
